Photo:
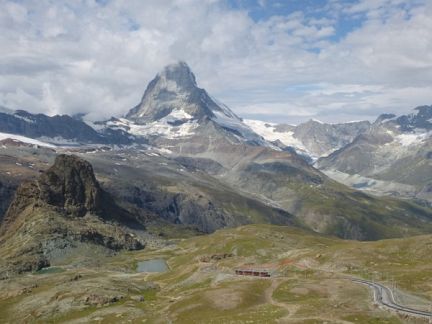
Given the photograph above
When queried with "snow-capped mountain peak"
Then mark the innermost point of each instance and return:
(420, 119)
(173, 98)
(174, 89)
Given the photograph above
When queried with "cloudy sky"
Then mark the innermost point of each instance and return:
(291, 60)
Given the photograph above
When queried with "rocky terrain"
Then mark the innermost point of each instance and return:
(392, 158)
(57, 129)
(310, 282)
(53, 215)
(313, 139)
(388, 157)
(194, 162)
(185, 185)
(184, 122)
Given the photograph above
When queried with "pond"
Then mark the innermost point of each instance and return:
(49, 270)
(154, 265)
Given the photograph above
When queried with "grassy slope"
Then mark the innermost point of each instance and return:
(374, 218)
(330, 207)
(309, 288)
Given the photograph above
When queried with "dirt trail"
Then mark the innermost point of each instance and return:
(291, 309)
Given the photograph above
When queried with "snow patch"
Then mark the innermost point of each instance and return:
(268, 131)
(28, 120)
(164, 150)
(233, 122)
(178, 114)
(178, 124)
(373, 186)
(59, 141)
(412, 138)
(317, 121)
(24, 139)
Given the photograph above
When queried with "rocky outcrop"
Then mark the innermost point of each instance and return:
(7, 190)
(65, 208)
(70, 188)
(70, 185)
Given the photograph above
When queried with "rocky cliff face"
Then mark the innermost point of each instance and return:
(70, 184)
(323, 139)
(390, 158)
(60, 211)
(173, 89)
(6, 193)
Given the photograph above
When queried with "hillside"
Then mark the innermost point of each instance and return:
(392, 158)
(310, 282)
(63, 213)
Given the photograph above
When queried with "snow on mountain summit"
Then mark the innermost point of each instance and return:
(173, 98)
(175, 89)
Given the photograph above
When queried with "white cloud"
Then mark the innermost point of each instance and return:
(80, 56)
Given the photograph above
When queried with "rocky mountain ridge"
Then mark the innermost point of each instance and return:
(392, 157)
(313, 138)
(58, 213)
(58, 130)
(211, 152)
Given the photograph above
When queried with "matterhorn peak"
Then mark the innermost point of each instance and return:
(174, 91)
(179, 73)
(173, 106)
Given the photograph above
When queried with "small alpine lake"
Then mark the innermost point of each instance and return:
(153, 265)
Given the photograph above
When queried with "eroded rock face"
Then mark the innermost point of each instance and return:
(70, 184)
(7, 191)
(65, 209)
(68, 187)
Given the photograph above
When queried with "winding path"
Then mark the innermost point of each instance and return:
(384, 297)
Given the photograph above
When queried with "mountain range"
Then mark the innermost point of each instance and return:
(183, 158)
(160, 214)
(393, 157)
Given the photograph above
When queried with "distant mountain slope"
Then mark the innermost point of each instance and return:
(393, 157)
(225, 174)
(313, 138)
(57, 129)
(185, 122)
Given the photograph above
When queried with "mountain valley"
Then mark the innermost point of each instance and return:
(183, 179)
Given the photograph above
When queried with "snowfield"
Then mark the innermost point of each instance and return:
(178, 124)
(412, 139)
(267, 130)
(24, 139)
(229, 120)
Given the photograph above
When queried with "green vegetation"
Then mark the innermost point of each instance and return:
(309, 286)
